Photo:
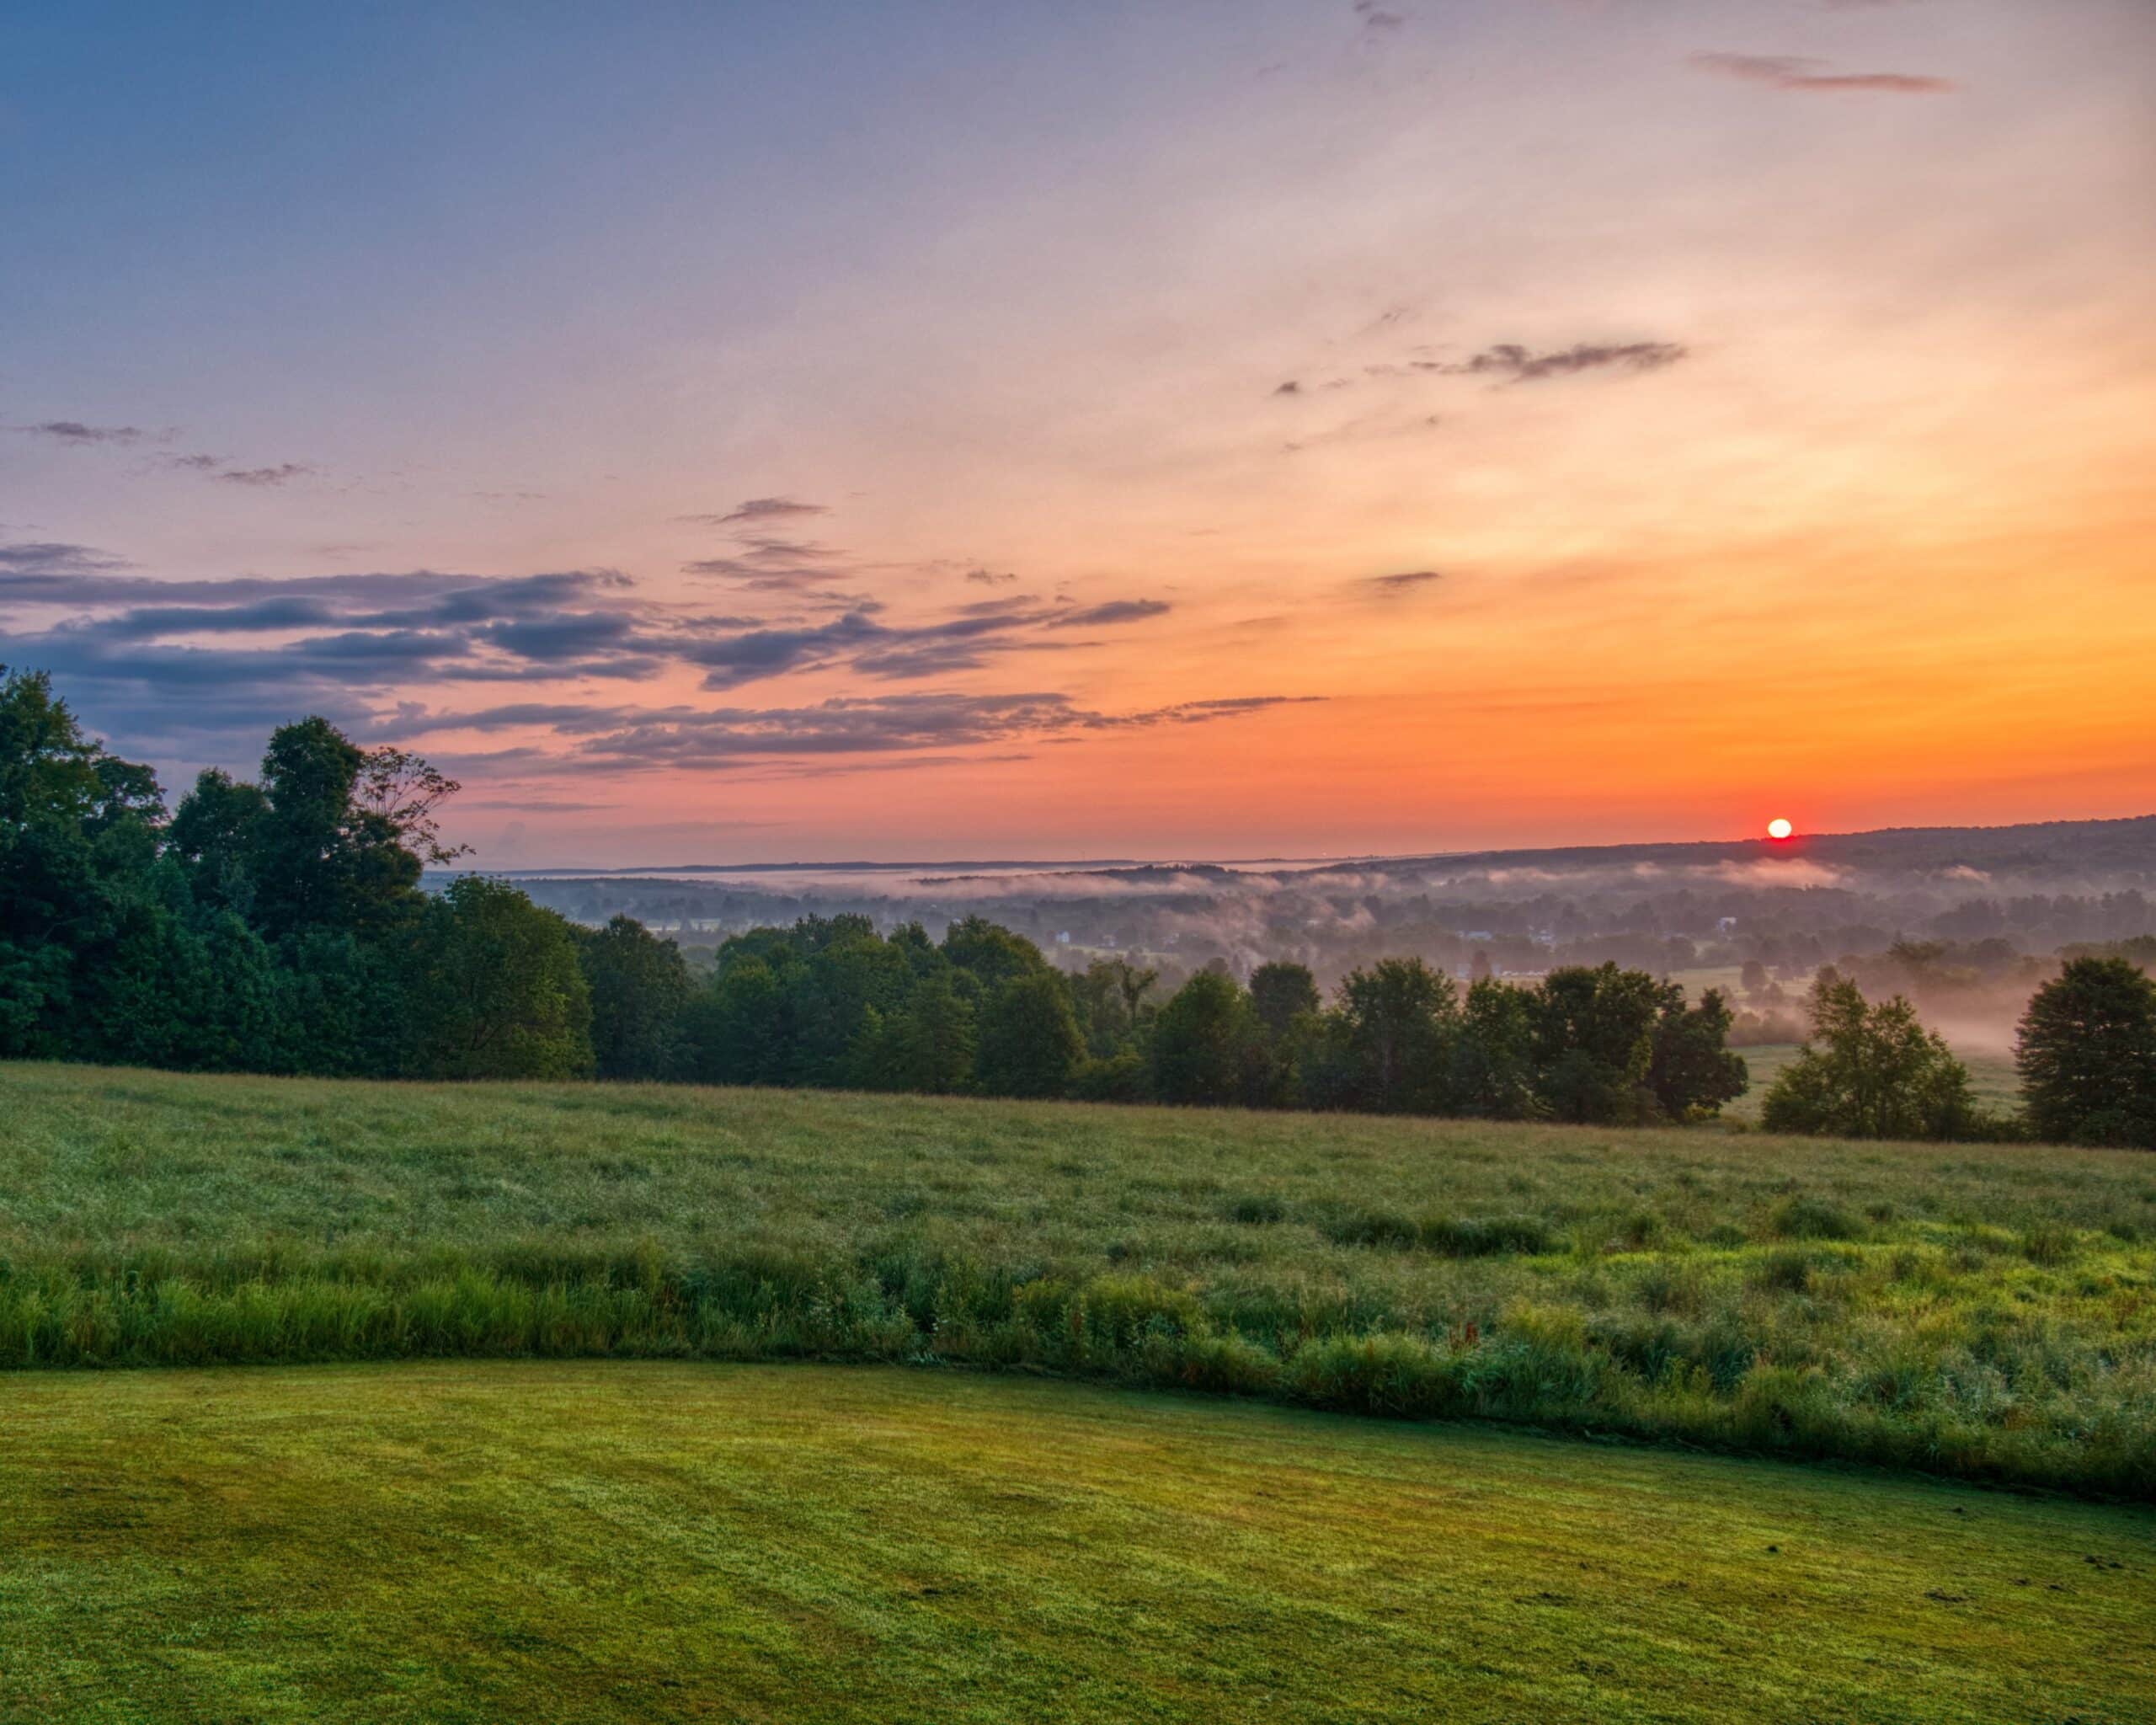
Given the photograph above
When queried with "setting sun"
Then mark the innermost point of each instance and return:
(1779, 828)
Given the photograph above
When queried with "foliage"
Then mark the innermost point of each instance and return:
(1207, 1046)
(1029, 1039)
(1871, 1071)
(498, 989)
(2086, 1055)
(639, 990)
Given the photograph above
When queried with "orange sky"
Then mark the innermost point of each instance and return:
(1758, 402)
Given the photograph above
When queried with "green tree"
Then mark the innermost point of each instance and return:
(1493, 1055)
(639, 986)
(1280, 993)
(1207, 1048)
(2087, 1055)
(927, 1046)
(989, 952)
(739, 1027)
(345, 832)
(1029, 1039)
(1692, 1070)
(1594, 1037)
(501, 994)
(1870, 1071)
(78, 844)
(1109, 998)
(1393, 1029)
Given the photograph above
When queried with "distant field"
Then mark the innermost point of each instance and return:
(617, 1542)
(1987, 1312)
(1997, 1085)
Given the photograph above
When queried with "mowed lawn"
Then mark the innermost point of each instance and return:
(632, 1541)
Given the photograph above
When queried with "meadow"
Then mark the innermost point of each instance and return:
(1982, 1311)
(598, 1541)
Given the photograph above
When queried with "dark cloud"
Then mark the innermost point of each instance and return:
(45, 564)
(990, 578)
(1783, 72)
(283, 473)
(758, 509)
(1510, 359)
(616, 739)
(205, 668)
(75, 431)
(195, 463)
(1375, 16)
(1116, 611)
(1407, 581)
(1290, 387)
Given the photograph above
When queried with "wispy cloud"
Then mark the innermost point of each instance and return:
(602, 739)
(1510, 360)
(1784, 71)
(48, 565)
(1116, 611)
(1395, 586)
(1377, 18)
(281, 474)
(758, 509)
(75, 431)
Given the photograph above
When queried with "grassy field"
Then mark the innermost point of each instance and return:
(618, 1541)
(1993, 1080)
(1986, 1311)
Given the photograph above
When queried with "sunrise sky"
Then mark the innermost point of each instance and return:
(913, 430)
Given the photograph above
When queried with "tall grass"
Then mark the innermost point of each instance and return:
(1986, 1312)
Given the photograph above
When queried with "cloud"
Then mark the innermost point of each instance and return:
(1290, 387)
(75, 431)
(1508, 359)
(1116, 611)
(1375, 16)
(990, 578)
(617, 738)
(47, 565)
(758, 509)
(1394, 586)
(1783, 72)
(195, 463)
(282, 473)
(204, 667)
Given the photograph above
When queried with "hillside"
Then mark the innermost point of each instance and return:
(1984, 1312)
(595, 1543)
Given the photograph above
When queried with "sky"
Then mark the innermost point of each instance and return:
(1278, 427)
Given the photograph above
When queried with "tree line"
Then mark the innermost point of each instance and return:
(279, 926)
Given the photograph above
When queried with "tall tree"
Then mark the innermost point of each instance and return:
(1029, 1040)
(1207, 1048)
(2086, 1055)
(1691, 1069)
(639, 986)
(1870, 1071)
(500, 993)
(1396, 1022)
(1594, 1030)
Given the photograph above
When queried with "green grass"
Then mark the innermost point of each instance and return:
(1985, 1311)
(1996, 1085)
(599, 1542)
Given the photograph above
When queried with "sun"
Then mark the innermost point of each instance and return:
(1780, 828)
